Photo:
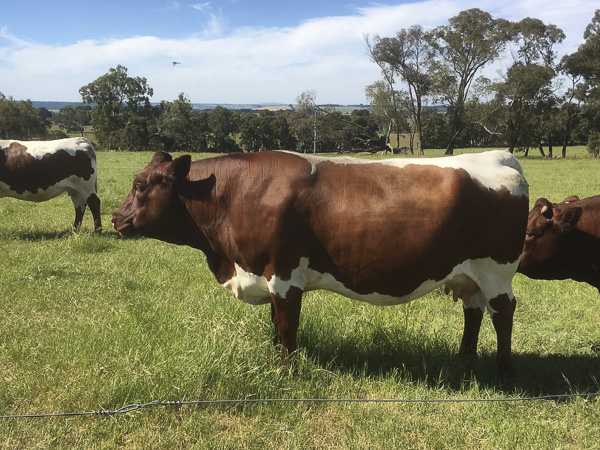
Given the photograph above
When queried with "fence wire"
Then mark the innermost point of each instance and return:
(178, 403)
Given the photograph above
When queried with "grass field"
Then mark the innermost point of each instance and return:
(95, 322)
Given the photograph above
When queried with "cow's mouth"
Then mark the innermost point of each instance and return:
(124, 227)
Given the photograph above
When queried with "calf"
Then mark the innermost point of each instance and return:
(40, 170)
(563, 240)
(276, 224)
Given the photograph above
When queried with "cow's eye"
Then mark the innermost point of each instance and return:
(140, 187)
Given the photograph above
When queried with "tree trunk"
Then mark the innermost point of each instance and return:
(541, 148)
(567, 134)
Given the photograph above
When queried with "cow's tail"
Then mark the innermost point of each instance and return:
(511, 161)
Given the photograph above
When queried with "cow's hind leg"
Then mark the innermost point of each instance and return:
(473, 313)
(286, 312)
(94, 203)
(79, 204)
(502, 317)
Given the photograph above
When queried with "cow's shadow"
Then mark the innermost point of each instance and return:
(439, 366)
(39, 235)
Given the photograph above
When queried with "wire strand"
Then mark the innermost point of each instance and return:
(137, 406)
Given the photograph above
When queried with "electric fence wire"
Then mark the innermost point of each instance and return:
(137, 406)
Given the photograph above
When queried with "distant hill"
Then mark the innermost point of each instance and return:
(54, 106)
(57, 106)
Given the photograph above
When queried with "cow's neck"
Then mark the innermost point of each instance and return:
(201, 232)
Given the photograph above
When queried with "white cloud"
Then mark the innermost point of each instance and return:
(201, 6)
(251, 65)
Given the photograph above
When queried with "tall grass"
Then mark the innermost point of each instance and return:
(91, 322)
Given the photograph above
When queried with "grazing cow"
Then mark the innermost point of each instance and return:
(563, 241)
(276, 224)
(40, 170)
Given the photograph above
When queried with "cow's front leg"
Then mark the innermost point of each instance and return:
(502, 318)
(286, 314)
(276, 338)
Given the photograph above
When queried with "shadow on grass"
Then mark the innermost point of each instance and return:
(40, 235)
(436, 364)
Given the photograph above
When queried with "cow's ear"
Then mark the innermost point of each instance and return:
(567, 220)
(160, 157)
(571, 199)
(180, 167)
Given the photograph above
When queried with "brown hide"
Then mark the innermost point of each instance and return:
(563, 240)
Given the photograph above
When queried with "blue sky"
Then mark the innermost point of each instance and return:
(231, 51)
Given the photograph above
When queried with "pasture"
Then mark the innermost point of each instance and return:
(94, 322)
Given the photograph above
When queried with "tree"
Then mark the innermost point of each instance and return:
(571, 102)
(307, 103)
(223, 124)
(181, 128)
(584, 65)
(121, 105)
(470, 41)
(409, 55)
(73, 119)
(526, 89)
(20, 120)
(265, 130)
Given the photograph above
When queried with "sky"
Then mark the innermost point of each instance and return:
(229, 51)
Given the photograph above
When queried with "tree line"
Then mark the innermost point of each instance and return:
(122, 117)
(433, 88)
(538, 100)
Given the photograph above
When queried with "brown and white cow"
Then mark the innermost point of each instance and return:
(276, 224)
(563, 240)
(40, 170)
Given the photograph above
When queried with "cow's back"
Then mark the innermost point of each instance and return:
(40, 170)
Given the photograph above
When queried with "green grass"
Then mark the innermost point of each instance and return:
(91, 322)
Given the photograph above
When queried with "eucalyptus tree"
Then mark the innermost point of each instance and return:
(584, 64)
(528, 86)
(20, 120)
(73, 119)
(471, 40)
(121, 109)
(266, 130)
(408, 55)
(180, 127)
(224, 124)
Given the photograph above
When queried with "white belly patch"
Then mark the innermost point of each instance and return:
(492, 278)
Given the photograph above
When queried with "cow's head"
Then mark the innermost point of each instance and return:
(153, 205)
(548, 225)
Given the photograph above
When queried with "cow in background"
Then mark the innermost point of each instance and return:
(563, 240)
(40, 170)
(274, 225)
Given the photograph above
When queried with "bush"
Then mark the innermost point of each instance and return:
(593, 145)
